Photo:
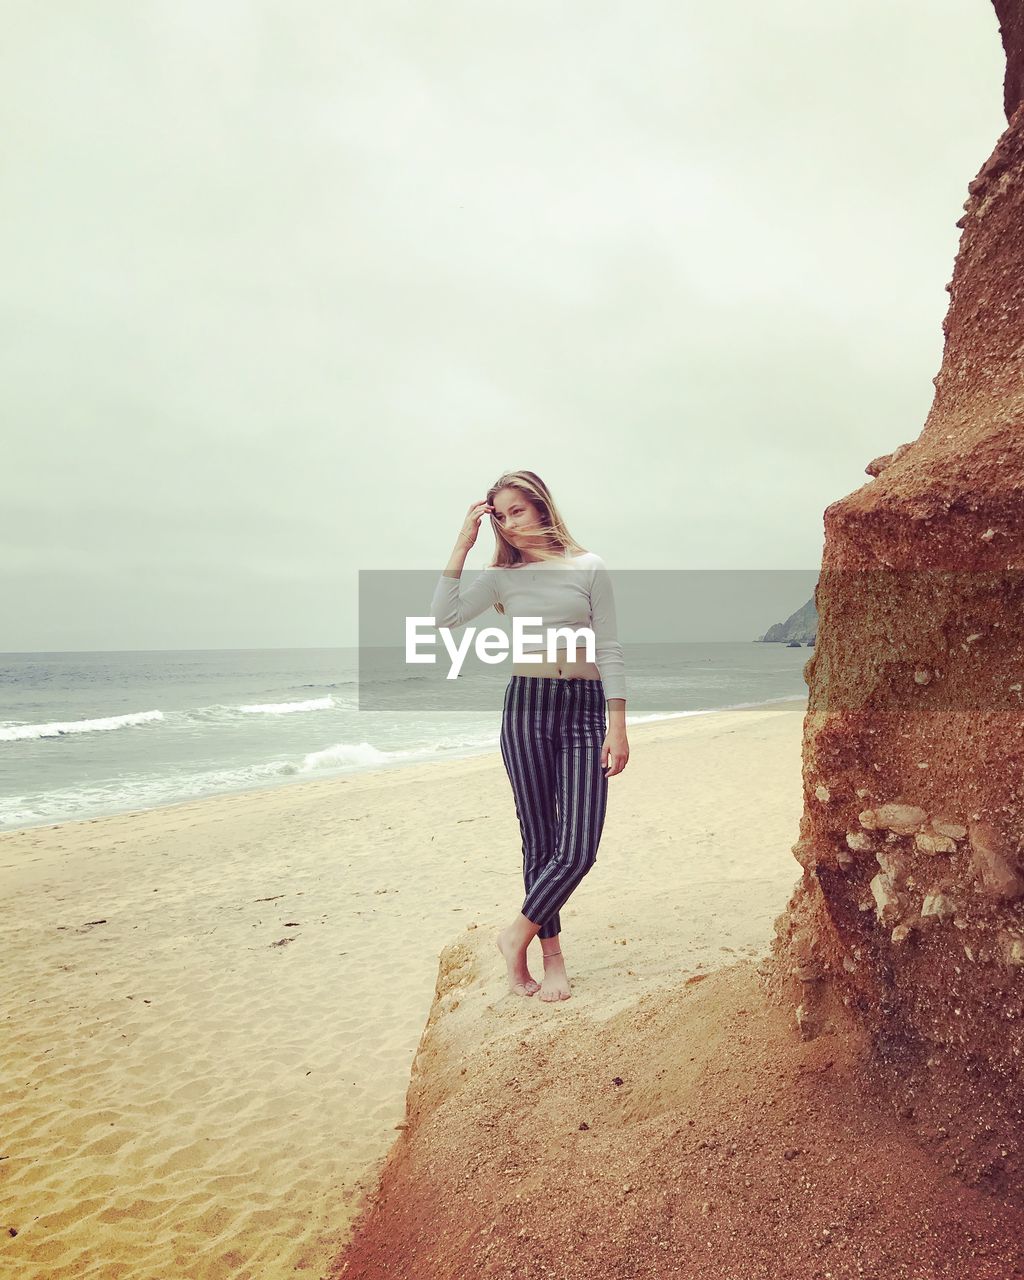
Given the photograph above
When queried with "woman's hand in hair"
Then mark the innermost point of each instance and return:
(471, 526)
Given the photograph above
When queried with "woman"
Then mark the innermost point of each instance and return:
(558, 750)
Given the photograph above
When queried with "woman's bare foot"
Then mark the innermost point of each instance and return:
(520, 980)
(556, 984)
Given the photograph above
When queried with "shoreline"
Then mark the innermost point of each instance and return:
(218, 1002)
(281, 783)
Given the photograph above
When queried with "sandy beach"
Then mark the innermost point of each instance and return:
(212, 1009)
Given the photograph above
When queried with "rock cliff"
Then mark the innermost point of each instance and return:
(909, 916)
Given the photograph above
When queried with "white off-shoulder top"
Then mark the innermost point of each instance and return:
(573, 592)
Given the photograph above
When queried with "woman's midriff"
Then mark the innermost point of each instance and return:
(578, 669)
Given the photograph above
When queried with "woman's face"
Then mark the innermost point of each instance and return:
(517, 517)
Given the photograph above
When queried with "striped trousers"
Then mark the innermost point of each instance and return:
(552, 731)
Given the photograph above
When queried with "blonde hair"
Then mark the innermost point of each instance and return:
(552, 525)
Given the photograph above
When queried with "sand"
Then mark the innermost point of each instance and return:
(212, 1009)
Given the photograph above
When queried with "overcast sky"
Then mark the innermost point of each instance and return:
(286, 285)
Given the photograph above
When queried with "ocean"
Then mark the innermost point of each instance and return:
(85, 735)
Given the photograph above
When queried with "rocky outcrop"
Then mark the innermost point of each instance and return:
(909, 916)
(801, 626)
(689, 1134)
